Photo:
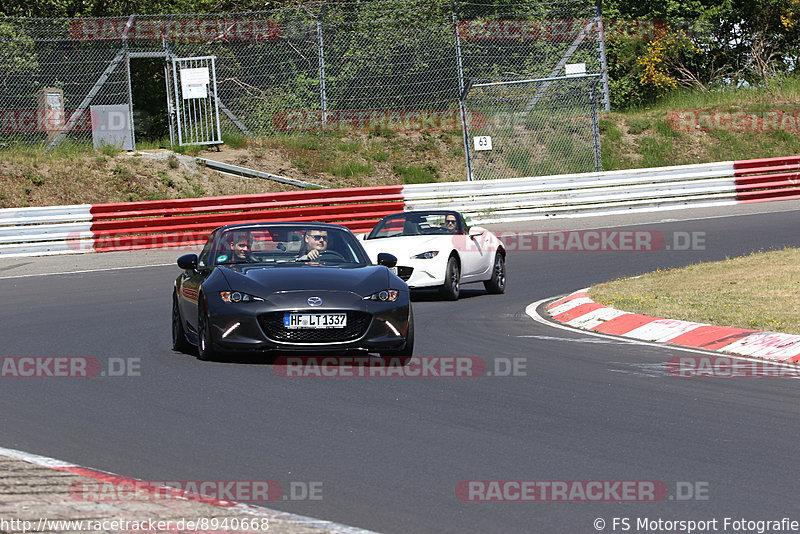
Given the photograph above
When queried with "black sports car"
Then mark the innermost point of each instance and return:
(289, 287)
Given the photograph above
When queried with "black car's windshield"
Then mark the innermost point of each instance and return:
(287, 245)
(417, 223)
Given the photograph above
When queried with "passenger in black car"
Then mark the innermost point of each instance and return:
(241, 244)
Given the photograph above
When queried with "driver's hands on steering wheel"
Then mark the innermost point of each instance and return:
(314, 255)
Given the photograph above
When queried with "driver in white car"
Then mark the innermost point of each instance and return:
(316, 242)
(450, 224)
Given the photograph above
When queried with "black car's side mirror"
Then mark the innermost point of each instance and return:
(386, 259)
(188, 262)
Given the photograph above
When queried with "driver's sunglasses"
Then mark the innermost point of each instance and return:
(449, 221)
(319, 237)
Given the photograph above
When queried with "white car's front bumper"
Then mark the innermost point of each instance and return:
(424, 273)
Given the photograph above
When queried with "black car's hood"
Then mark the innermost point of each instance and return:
(262, 280)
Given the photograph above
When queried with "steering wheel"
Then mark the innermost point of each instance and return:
(332, 253)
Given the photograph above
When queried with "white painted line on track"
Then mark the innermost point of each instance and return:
(87, 271)
(644, 223)
(715, 217)
(576, 340)
(311, 522)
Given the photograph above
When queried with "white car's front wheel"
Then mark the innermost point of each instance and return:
(452, 278)
(497, 283)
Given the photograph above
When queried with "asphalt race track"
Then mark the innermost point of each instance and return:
(390, 452)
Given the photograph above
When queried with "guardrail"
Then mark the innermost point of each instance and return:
(187, 222)
(182, 222)
(43, 231)
(596, 193)
(603, 193)
(759, 180)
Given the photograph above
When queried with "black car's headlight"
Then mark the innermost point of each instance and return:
(426, 255)
(237, 296)
(386, 295)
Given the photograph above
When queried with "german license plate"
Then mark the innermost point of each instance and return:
(315, 320)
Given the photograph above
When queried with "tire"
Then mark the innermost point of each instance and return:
(407, 351)
(452, 278)
(179, 342)
(497, 283)
(205, 342)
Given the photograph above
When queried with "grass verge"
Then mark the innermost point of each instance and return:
(758, 291)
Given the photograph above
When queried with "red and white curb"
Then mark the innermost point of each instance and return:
(577, 310)
(110, 478)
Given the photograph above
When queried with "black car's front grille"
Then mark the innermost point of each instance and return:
(404, 273)
(272, 324)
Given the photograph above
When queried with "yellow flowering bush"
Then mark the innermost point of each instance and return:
(662, 55)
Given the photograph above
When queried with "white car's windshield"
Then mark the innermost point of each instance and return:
(418, 223)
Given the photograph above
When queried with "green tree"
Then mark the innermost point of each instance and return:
(729, 42)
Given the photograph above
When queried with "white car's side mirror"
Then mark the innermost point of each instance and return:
(475, 231)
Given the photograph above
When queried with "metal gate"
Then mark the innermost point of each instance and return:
(192, 102)
(533, 127)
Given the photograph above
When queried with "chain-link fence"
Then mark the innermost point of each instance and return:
(534, 127)
(340, 66)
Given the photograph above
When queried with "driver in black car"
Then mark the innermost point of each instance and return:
(316, 242)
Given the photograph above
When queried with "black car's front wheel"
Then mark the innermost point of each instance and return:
(407, 351)
(205, 343)
(179, 342)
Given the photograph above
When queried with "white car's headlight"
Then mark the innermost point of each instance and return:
(426, 255)
(238, 296)
(387, 295)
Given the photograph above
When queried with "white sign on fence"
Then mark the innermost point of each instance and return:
(575, 69)
(194, 83)
(483, 142)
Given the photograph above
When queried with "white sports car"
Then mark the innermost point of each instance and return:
(438, 249)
